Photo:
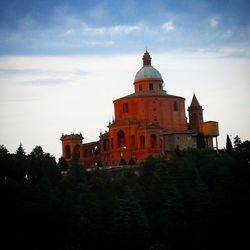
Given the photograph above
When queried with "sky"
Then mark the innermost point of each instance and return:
(63, 63)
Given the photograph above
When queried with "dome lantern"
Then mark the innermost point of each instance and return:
(148, 80)
(146, 59)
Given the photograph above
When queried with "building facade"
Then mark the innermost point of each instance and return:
(148, 122)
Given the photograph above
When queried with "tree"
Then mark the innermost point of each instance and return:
(62, 164)
(122, 162)
(20, 151)
(130, 226)
(40, 164)
(200, 140)
(3, 162)
(3, 151)
(246, 145)
(237, 142)
(37, 152)
(131, 161)
(229, 147)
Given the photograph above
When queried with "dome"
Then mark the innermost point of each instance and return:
(148, 72)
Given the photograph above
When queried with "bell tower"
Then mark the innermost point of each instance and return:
(71, 146)
(195, 111)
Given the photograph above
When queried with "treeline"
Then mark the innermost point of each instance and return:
(198, 200)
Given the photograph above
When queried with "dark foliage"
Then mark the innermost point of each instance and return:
(200, 140)
(229, 146)
(122, 162)
(198, 200)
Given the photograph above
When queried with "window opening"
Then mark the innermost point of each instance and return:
(142, 141)
(153, 141)
(67, 151)
(121, 138)
(125, 107)
(176, 108)
(76, 151)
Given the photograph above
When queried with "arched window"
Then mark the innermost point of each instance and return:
(153, 141)
(67, 152)
(91, 151)
(96, 150)
(176, 108)
(121, 138)
(125, 107)
(76, 151)
(105, 145)
(142, 141)
(151, 86)
(161, 143)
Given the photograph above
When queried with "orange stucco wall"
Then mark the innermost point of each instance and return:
(150, 109)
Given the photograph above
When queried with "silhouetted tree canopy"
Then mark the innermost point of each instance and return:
(3, 151)
(237, 142)
(197, 200)
(62, 164)
(200, 140)
(20, 151)
(229, 146)
(122, 162)
(131, 161)
(37, 152)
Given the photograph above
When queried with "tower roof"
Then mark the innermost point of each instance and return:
(194, 102)
(147, 71)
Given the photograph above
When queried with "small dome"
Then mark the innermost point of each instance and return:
(148, 72)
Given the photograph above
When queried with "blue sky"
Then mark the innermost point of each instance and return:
(73, 27)
(62, 60)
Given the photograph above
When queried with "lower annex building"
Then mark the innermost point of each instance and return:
(148, 122)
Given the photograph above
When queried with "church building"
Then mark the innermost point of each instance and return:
(148, 122)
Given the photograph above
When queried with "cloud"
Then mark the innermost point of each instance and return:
(100, 43)
(44, 82)
(111, 30)
(74, 24)
(15, 100)
(239, 52)
(245, 33)
(227, 34)
(41, 65)
(98, 12)
(68, 34)
(168, 26)
(213, 23)
(74, 34)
